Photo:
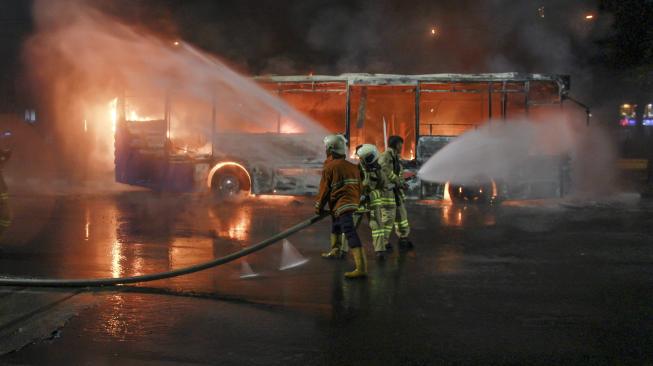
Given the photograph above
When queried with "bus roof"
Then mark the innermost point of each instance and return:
(395, 79)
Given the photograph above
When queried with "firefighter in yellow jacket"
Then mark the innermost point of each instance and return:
(381, 202)
(381, 198)
(394, 170)
(340, 187)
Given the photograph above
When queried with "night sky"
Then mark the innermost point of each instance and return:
(389, 36)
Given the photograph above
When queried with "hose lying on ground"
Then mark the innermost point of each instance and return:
(36, 282)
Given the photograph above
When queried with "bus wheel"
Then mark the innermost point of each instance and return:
(230, 182)
(480, 190)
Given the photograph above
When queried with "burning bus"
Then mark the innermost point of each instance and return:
(428, 111)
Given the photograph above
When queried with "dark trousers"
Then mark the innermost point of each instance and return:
(344, 224)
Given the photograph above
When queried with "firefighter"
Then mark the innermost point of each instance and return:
(337, 243)
(5, 215)
(392, 167)
(382, 206)
(340, 187)
(364, 205)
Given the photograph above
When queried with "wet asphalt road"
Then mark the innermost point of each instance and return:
(525, 282)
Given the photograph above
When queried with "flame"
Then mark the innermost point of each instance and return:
(87, 225)
(290, 129)
(135, 117)
(113, 113)
(290, 126)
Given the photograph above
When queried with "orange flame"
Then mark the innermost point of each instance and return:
(446, 197)
(113, 113)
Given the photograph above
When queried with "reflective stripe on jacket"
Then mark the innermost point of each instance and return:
(392, 167)
(340, 187)
(377, 186)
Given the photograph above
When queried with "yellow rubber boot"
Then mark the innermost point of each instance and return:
(361, 264)
(335, 252)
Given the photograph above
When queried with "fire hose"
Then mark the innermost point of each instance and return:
(48, 282)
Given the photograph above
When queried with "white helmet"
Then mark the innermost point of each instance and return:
(336, 144)
(368, 154)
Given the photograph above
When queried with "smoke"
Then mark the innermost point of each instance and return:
(81, 59)
(518, 151)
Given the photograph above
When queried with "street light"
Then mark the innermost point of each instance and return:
(435, 32)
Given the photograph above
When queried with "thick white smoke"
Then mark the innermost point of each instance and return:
(505, 151)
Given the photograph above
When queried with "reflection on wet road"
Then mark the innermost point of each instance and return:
(508, 281)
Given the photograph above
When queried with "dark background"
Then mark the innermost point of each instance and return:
(609, 57)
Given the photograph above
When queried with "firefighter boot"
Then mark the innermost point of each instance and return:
(361, 264)
(335, 252)
(405, 243)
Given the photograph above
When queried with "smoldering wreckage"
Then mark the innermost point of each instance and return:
(427, 111)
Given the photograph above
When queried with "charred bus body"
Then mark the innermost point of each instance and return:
(428, 111)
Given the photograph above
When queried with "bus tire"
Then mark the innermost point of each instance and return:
(230, 182)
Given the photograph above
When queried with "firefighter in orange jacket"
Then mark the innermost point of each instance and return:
(340, 187)
(336, 243)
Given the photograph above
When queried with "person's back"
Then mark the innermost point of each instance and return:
(340, 186)
(343, 179)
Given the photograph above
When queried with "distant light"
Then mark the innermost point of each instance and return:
(30, 116)
(176, 43)
(589, 17)
(540, 11)
(628, 122)
(434, 31)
